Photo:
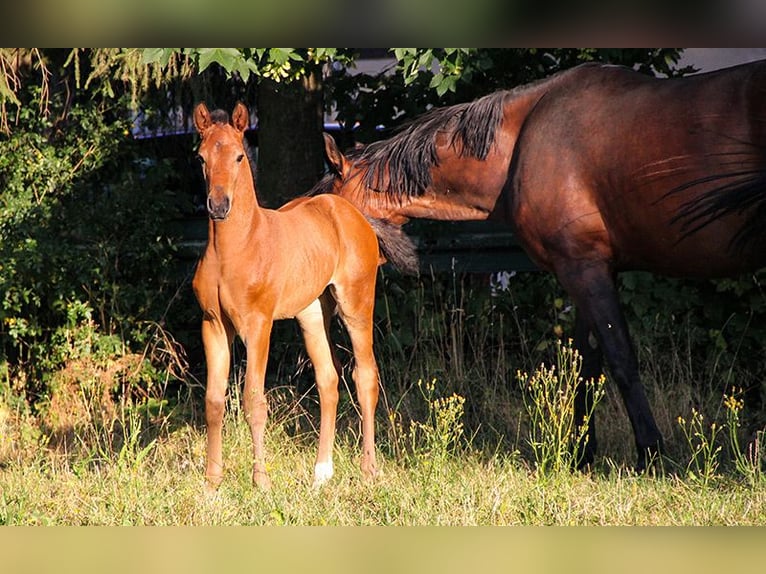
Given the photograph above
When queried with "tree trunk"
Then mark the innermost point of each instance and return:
(290, 146)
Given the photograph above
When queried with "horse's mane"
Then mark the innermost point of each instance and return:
(401, 164)
(219, 117)
(324, 185)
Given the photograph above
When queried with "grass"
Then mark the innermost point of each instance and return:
(460, 442)
(432, 475)
(467, 488)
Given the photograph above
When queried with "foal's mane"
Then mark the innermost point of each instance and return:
(219, 117)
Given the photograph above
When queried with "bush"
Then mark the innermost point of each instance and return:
(86, 238)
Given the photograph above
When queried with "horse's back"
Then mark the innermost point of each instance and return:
(609, 158)
(335, 222)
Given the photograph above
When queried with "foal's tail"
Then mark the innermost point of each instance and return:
(397, 247)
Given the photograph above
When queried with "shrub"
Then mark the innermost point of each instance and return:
(87, 248)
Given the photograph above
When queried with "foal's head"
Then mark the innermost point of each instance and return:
(223, 156)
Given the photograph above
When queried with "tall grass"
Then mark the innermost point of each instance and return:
(461, 438)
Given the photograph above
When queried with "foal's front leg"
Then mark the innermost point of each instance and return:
(217, 336)
(254, 397)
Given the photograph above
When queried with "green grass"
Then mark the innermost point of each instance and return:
(469, 489)
(459, 442)
(429, 478)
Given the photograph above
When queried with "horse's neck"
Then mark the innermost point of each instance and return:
(519, 103)
(244, 222)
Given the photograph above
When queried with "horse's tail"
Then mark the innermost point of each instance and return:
(746, 194)
(397, 247)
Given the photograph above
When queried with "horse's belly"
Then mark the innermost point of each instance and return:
(704, 255)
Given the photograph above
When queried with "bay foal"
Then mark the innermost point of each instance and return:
(304, 260)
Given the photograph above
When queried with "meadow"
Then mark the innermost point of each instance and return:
(469, 430)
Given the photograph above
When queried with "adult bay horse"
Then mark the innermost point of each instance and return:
(598, 169)
(302, 261)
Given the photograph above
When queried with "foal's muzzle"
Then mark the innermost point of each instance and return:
(218, 209)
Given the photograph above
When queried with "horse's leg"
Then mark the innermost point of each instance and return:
(217, 337)
(253, 397)
(591, 369)
(356, 303)
(315, 324)
(592, 287)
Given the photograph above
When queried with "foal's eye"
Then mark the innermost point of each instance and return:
(240, 157)
(200, 159)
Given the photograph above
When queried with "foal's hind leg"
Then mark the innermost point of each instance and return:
(315, 324)
(591, 286)
(356, 303)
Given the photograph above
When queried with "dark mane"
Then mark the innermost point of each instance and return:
(401, 165)
(219, 117)
(324, 185)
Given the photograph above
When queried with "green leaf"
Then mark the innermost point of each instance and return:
(436, 81)
(447, 84)
(246, 67)
(155, 55)
(280, 56)
(227, 58)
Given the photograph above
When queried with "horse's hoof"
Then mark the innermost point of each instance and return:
(323, 472)
(212, 483)
(371, 473)
(261, 479)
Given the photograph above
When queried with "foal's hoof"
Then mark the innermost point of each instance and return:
(370, 474)
(261, 479)
(323, 472)
(211, 484)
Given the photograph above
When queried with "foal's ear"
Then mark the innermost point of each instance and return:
(334, 155)
(201, 117)
(240, 117)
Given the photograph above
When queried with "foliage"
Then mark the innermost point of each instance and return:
(434, 440)
(705, 451)
(452, 65)
(275, 63)
(748, 460)
(84, 236)
(722, 323)
(155, 477)
(707, 443)
(11, 80)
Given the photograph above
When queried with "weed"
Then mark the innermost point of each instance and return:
(549, 399)
(704, 461)
(748, 463)
(438, 437)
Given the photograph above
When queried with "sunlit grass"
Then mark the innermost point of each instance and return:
(461, 441)
(429, 483)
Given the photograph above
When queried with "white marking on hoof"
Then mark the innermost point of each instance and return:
(323, 472)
